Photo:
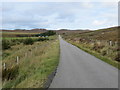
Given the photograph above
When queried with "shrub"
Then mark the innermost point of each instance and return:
(97, 47)
(42, 39)
(28, 41)
(5, 55)
(5, 44)
(48, 33)
(14, 41)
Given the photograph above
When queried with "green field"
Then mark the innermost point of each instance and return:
(17, 34)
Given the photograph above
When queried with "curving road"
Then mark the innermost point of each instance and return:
(78, 69)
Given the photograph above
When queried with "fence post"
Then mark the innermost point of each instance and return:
(17, 60)
(110, 43)
(4, 66)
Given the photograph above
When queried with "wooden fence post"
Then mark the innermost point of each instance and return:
(110, 43)
(17, 60)
(4, 66)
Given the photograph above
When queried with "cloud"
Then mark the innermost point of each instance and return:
(87, 4)
(97, 22)
(54, 15)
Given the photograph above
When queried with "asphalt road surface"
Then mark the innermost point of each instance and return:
(78, 69)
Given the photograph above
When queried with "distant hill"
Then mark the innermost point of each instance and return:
(62, 31)
(65, 31)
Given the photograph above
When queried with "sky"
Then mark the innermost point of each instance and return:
(58, 15)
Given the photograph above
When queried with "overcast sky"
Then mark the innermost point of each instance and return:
(58, 15)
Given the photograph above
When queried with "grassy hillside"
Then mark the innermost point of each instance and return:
(101, 43)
